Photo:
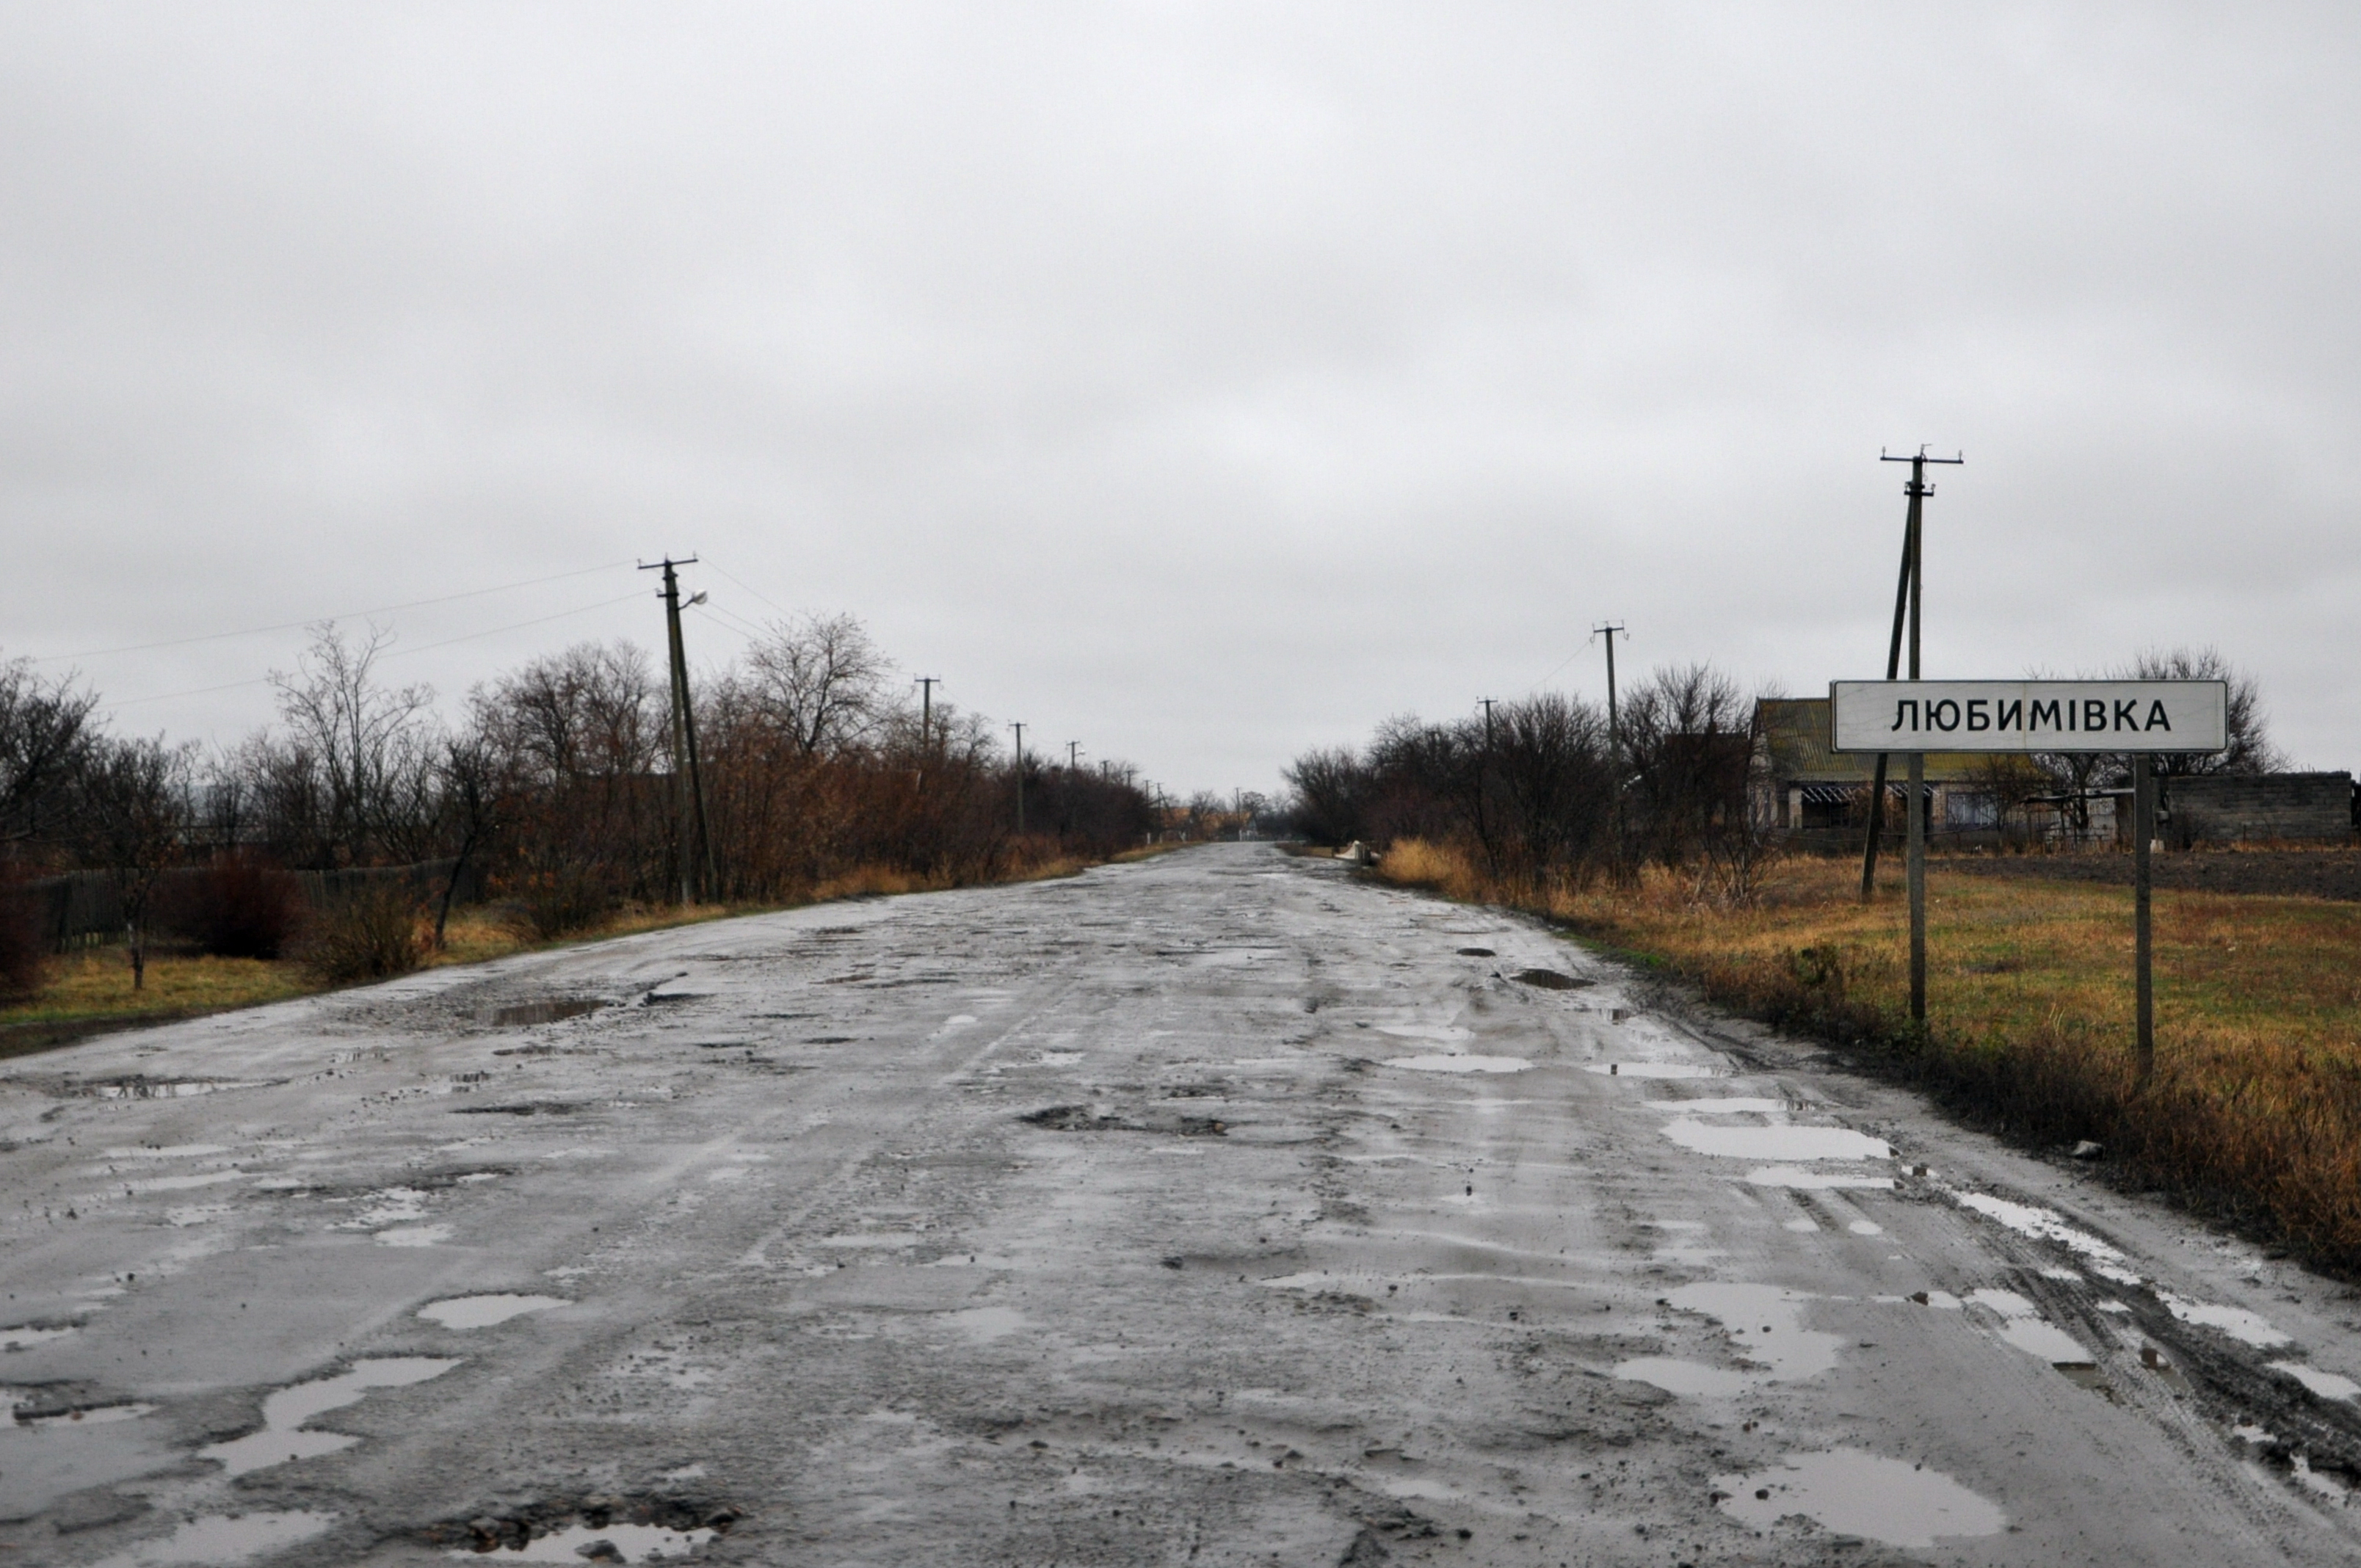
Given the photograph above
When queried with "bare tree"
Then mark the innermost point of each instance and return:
(44, 725)
(133, 804)
(470, 798)
(2250, 752)
(359, 734)
(822, 681)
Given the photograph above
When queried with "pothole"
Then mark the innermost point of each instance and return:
(283, 1438)
(137, 1087)
(1550, 979)
(549, 1010)
(1458, 1063)
(1083, 1119)
(483, 1311)
(224, 1538)
(519, 1108)
(595, 1530)
(1848, 1492)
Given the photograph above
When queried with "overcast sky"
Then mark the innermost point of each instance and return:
(1200, 382)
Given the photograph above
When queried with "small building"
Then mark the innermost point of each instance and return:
(1802, 789)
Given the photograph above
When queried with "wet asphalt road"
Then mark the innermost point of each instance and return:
(1213, 1209)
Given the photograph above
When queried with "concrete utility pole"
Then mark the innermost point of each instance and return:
(1073, 755)
(1908, 604)
(1020, 778)
(695, 843)
(1905, 610)
(1614, 739)
(926, 684)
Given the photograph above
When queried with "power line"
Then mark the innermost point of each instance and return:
(781, 608)
(397, 653)
(315, 619)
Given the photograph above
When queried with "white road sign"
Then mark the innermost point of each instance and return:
(2030, 716)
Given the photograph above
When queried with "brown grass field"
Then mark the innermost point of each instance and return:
(2254, 1113)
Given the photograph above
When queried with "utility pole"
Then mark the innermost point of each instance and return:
(695, 843)
(1905, 612)
(1020, 778)
(926, 684)
(1909, 603)
(1073, 755)
(1614, 739)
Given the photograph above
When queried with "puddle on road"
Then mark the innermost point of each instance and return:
(182, 1183)
(1550, 979)
(2327, 1384)
(1476, 953)
(1653, 1069)
(549, 1010)
(165, 1089)
(1688, 1377)
(1732, 1106)
(168, 1151)
(26, 1335)
(96, 1415)
(1461, 1063)
(281, 1438)
(1441, 1033)
(1848, 1492)
(1766, 1324)
(221, 1540)
(2023, 1326)
(578, 1543)
(984, 1324)
(1780, 1143)
(2047, 1225)
(483, 1311)
(2248, 1328)
(414, 1235)
(1796, 1177)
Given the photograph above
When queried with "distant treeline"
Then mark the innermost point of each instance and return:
(1539, 788)
(558, 788)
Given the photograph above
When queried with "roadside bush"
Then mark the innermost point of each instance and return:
(550, 904)
(237, 908)
(23, 952)
(369, 934)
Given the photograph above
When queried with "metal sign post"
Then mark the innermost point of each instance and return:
(2142, 718)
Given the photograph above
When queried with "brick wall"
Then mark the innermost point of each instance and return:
(2225, 807)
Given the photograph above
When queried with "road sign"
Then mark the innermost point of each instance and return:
(2030, 716)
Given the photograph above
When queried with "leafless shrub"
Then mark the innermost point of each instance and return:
(371, 933)
(239, 907)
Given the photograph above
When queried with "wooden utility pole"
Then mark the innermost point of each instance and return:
(695, 843)
(1020, 778)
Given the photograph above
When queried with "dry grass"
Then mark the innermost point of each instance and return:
(90, 993)
(2255, 1110)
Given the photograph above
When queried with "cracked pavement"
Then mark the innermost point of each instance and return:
(1216, 1209)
